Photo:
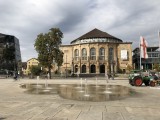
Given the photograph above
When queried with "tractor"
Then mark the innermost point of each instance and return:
(150, 78)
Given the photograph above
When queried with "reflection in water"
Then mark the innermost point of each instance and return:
(84, 92)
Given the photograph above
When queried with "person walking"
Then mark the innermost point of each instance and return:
(15, 76)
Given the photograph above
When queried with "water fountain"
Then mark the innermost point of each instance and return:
(47, 88)
(81, 86)
(82, 91)
(38, 85)
(86, 89)
(97, 83)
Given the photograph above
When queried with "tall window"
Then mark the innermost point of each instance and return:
(93, 54)
(76, 54)
(111, 55)
(84, 54)
(101, 54)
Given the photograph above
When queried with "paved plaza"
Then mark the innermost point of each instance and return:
(17, 105)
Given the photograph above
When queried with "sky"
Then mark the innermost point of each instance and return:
(124, 19)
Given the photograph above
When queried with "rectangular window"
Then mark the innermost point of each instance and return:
(124, 55)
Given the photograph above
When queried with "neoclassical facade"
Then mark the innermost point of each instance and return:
(96, 52)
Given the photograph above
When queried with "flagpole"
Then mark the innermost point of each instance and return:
(159, 38)
(140, 54)
(159, 45)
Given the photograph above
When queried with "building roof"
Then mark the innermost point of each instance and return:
(2, 35)
(149, 49)
(32, 58)
(96, 33)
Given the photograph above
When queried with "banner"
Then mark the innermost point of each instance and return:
(143, 48)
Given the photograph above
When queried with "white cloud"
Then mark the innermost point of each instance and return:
(127, 20)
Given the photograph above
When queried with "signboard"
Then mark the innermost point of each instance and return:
(124, 55)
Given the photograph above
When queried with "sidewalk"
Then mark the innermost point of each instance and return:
(17, 105)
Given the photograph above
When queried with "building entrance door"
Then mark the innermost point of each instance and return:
(102, 68)
(93, 69)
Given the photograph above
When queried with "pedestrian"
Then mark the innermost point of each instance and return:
(15, 75)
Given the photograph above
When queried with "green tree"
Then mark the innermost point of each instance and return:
(59, 59)
(47, 46)
(35, 70)
(156, 67)
(129, 68)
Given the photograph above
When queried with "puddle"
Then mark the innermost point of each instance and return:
(83, 92)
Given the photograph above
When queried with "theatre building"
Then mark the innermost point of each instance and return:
(96, 53)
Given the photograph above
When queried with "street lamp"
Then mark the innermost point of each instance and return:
(66, 66)
(41, 71)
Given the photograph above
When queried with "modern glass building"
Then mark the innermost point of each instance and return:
(153, 58)
(10, 55)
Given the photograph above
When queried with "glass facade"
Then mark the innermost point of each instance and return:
(153, 58)
(10, 55)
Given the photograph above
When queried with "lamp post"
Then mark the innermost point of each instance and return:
(41, 71)
(112, 69)
(72, 67)
(22, 72)
(66, 66)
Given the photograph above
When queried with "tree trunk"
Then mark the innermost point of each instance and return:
(58, 70)
(49, 71)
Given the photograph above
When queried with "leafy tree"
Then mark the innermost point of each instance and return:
(120, 70)
(156, 67)
(47, 46)
(35, 70)
(59, 58)
(129, 68)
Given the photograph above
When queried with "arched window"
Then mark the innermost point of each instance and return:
(84, 54)
(83, 68)
(93, 54)
(101, 54)
(76, 54)
(93, 69)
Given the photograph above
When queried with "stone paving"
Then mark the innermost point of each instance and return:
(17, 105)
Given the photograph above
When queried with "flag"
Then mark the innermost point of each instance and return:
(143, 48)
